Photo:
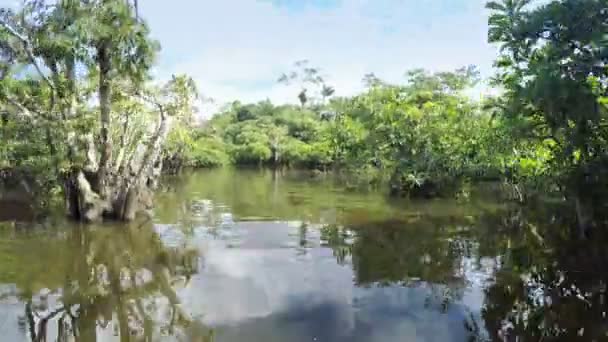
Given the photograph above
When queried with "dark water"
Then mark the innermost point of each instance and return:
(258, 256)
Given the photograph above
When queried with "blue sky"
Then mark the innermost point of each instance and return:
(236, 49)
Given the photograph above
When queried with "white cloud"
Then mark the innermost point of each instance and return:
(237, 49)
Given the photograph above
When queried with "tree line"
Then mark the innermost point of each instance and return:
(82, 116)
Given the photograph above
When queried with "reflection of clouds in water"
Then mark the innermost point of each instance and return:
(251, 282)
(265, 289)
(204, 211)
(11, 325)
(478, 277)
(201, 208)
(256, 282)
(170, 235)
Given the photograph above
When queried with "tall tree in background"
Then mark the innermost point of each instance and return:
(326, 92)
(57, 59)
(303, 98)
(370, 80)
(307, 77)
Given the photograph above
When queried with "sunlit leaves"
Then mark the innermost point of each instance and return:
(54, 57)
(553, 71)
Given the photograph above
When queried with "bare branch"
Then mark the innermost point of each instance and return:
(155, 144)
(153, 101)
(30, 53)
(92, 164)
(25, 112)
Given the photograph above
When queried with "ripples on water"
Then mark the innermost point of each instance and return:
(257, 256)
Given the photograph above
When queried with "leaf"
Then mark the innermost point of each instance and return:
(495, 6)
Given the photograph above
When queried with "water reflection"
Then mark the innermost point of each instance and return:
(553, 286)
(96, 283)
(267, 288)
(256, 257)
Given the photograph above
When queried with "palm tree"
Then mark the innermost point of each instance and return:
(303, 97)
(327, 91)
(504, 21)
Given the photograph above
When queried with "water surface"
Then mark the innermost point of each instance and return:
(268, 256)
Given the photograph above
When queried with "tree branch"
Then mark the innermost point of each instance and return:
(153, 102)
(124, 141)
(155, 145)
(92, 164)
(26, 112)
(30, 53)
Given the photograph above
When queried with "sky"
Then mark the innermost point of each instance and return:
(237, 49)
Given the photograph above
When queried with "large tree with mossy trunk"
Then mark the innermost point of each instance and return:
(79, 71)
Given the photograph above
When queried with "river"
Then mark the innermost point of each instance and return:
(293, 256)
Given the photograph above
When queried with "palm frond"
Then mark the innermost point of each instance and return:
(495, 6)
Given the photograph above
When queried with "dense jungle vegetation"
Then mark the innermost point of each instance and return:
(83, 118)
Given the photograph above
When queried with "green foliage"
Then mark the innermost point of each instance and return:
(207, 152)
(424, 136)
(75, 95)
(552, 67)
(264, 134)
(251, 153)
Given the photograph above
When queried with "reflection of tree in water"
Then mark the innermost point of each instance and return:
(122, 279)
(418, 253)
(338, 239)
(547, 284)
(552, 288)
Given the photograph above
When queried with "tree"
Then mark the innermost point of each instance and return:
(305, 76)
(553, 69)
(303, 97)
(425, 135)
(447, 82)
(370, 80)
(326, 92)
(507, 14)
(277, 135)
(76, 52)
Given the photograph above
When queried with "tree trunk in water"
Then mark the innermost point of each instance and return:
(101, 189)
(125, 193)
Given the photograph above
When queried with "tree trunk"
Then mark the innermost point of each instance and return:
(127, 192)
(97, 190)
(584, 215)
(105, 93)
